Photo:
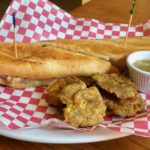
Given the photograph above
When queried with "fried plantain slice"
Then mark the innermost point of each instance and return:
(87, 108)
(68, 92)
(116, 84)
(126, 110)
(55, 87)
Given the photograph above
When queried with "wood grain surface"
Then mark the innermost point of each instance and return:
(114, 10)
(107, 11)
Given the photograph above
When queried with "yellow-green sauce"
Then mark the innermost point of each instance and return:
(143, 64)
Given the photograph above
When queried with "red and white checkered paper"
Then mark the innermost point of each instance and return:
(41, 20)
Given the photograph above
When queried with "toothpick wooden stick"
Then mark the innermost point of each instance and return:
(15, 43)
(130, 21)
(127, 33)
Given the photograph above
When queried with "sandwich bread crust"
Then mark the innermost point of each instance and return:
(38, 62)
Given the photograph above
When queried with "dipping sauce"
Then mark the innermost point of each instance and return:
(143, 64)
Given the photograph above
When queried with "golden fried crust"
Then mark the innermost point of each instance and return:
(74, 117)
(61, 87)
(120, 94)
(69, 91)
(83, 107)
(53, 90)
(116, 84)
(53, 99)
(87, 109)
(88, 100)
(126, 110)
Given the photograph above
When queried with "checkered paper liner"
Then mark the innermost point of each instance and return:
(41, 20)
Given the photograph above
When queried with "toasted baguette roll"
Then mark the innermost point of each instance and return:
(41, 63)
(112, 50)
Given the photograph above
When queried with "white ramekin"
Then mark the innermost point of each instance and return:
(139, 77)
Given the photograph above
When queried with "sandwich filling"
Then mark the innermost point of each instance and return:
(18, 82)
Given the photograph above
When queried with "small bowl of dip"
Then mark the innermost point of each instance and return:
(139, 69)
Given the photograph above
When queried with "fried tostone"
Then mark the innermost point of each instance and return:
(120, 95)
(116, 84)
(56, 86)
(86, 108)
(83, 107)
(130, 109)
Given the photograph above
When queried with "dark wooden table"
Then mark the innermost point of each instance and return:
(108, 11)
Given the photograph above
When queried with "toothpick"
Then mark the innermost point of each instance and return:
(15, 43)
(130, 21)
(127, 33)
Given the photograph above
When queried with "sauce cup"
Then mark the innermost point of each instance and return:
(139, 77)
